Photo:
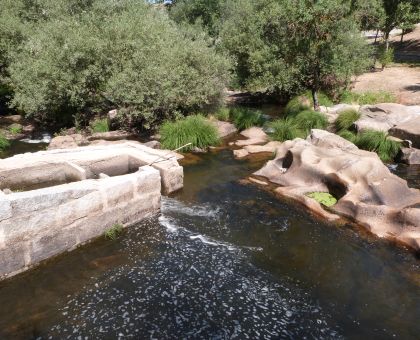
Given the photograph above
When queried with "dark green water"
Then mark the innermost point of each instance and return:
(222, 260)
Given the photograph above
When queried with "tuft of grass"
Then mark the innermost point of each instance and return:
(284, 129)
(113, 232)
(378, 142)
(4, 143)
(15, 130)
(223, 114)
(308, 119)
(346, 119)
(193, 129)
(244, 117)
(324, 198)
(367, 98)
(305, 102)
(349, 135)
(99, 125)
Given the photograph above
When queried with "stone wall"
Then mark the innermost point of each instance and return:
(38, 224)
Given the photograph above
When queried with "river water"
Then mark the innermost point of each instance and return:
(222, 260)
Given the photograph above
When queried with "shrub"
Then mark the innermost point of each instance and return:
(284, 129)
(367, 98)
(123, 54)
(385, 57)
(244, 117)
(193, 129)
(100, 125)
(113, 232)
(378, 142)
(324, 198)
(346, 119)
(307, 120)
(4, 143)
(304, 102)
(223, 114)
(15, 129)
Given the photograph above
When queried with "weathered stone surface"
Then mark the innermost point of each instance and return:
(67, 142)
(366, 190)
(410, 156)
(225, 129)
(154, 144)
(270, 147)
(409, 130)
(333, 111)
(111, 136)
(384, 116)
(4, 120)
(38, 224)
(254, 135)
(60, 166)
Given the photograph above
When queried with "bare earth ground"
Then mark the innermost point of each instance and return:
(402, 80)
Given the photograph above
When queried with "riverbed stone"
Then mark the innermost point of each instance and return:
(254, 135)
(67, 142)
(410, 156)
(111, 136)
(409, 130)
(224, 129)
(367, 192)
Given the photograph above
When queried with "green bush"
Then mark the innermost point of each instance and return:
(304, 102)
(223, 114)
(244, 117)
(115, 54)
(4, 143)
(367, 98)
(100, 125)
(346, 119)
(307, 120)
(378, 142)
(284, 129)
(385, 57)
(193, 129)
(15, 129)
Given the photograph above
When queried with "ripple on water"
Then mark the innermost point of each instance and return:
(191, 286)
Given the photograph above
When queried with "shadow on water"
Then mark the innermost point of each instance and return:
(222, 260)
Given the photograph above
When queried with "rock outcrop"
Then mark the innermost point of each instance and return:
(254, 136)
(224, 129)
(367, 192)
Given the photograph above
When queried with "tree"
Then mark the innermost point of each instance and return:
(287, 46)
(408, 15)
(124, 55)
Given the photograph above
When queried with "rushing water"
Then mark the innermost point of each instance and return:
(222, 260)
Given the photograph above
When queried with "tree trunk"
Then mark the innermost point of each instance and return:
(386, 41)
(402, 36)
(315, 98)
(376, 36)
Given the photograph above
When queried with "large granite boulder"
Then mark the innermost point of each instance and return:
(409, 130)
(67, 142)
(367, 192)
(410, 156)
(224, 129)
(385, 116)
(254, 136)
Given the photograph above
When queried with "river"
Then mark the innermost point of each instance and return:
(222, 260)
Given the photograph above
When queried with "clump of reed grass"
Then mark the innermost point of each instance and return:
(284, 129)
(244, 117)
(367, 98)
(308, 119)
(4, 143)
(346, 119)
(113, 232)
(305, 102)
(378, 142)
(100, 125)
(223, 114)
(193, 129)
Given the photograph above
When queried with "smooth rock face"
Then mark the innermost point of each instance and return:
(225, 129)
(254, 135)
(410, 156)
(270, 147)
(385, 116)
(409, 130)
(111, 135)
(367, 192)
(67, 142)
(38, 224)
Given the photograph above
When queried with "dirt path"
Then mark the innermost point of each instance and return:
(403, 81)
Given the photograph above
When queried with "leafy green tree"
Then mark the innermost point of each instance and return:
(125, 55)
(408, 15)
(284, 46)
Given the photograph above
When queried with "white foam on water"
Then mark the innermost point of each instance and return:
(212, 243)
(168, 224)
(172, 205)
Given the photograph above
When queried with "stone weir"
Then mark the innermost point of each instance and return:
(75, 195)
